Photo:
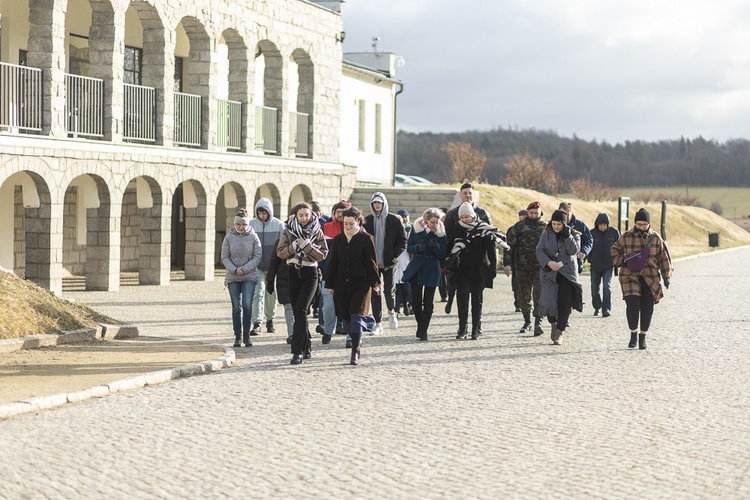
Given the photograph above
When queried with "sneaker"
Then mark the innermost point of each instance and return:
(596, 312)
(269, 326)
(289, 340)
(319, 329)
(407, 310)
(605, 314)
(256, 330)
(378, 330)
(348, 344)
(340, 330)
(326, 339)
(393, 320)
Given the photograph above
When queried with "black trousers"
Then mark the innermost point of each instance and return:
(423, 303)
(642, 306)
(303, 282)
(465, 288)
(389, 290)
(564, 302)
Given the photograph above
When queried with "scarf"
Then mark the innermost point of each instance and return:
(478, 229)
(308, 232)
(351, 233)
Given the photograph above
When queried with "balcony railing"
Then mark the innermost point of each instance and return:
(299, 128)
(20, 98)
(266, 120)
(229, 125)
(139, 116)
(84, 106)
(187, 119)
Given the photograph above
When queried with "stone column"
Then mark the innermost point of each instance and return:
(103, 247)
(106, 54)
(154, 243)
(46, 47)
(199, 242)
(44, 246)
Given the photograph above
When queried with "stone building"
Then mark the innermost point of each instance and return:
(131, 131)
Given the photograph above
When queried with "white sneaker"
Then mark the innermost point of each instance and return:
(393, 319)
(378, 330)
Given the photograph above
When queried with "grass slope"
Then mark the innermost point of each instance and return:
(27, 309)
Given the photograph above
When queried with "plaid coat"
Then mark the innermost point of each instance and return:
(658, 262)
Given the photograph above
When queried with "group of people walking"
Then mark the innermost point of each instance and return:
(361, 261)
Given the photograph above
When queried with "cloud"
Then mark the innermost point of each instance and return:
(595, 68)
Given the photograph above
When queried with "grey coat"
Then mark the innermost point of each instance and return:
(241, 250)
(564, 250)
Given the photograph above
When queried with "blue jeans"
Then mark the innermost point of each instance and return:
(241, 293)
(327, 311)
(603, 301)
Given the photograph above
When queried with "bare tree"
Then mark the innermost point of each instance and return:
(528, 171)
(467, 163)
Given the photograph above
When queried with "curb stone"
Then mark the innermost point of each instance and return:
(153, 378)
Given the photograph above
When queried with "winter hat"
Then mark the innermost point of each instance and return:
(403, 213)
(343, 204)
(533, 205)
(523, 212)
(241, 220)
(466, 209)
(560, 216)
(642, 215)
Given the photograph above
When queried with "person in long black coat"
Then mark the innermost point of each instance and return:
(351, 276)
(474, 250)
(277, 280)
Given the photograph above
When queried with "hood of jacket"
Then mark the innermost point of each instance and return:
(378, 196)
(601, 219)
(266, 205)
(419, 227)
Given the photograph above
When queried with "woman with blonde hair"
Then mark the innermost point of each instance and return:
(427, 245)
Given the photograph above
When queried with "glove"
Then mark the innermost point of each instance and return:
(666, 282)
(269, 287)
(432, 244)
(421, 247)
(566, 232)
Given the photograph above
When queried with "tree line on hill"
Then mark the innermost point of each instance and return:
(698, 162)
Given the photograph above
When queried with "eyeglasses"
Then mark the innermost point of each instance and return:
(642, 224)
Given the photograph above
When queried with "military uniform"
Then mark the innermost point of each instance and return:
(523, 237)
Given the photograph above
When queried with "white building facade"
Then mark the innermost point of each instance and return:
(131, 131)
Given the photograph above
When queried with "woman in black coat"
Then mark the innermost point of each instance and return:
(277, 279)
(351, 276)
(474, 258)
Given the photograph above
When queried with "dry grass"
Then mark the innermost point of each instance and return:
(27, 309)
(687, 227)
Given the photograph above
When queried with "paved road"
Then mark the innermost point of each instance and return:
(507, 416)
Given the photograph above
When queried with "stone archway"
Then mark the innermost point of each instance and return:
(192, 222)
(231, 198)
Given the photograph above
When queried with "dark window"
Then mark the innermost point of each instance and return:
(79, 55)
(22, 57)
(178, 62)
(133, 65)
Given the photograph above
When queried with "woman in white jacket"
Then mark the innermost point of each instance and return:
(240, 254)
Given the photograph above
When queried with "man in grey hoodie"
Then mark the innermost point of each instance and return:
(269, 230)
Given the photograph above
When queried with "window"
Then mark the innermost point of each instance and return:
(133, 65)
(79, 55)
(361, 142)
(378, 128)
(178, 63)
(22, 57)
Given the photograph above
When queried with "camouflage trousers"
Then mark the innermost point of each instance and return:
(528, 284)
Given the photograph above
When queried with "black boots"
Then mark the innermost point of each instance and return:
(538, 327)
(526, 323)
(246, 340)
(462, 331)
(256, 329)
(633, 340)
(237, 339)
(356, 344)
(269, 326)
(555, 334)
(296, 359)
(642, 341)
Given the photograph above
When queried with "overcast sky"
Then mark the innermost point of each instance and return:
(601, 69)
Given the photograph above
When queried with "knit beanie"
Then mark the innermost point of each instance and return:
(523, 212)
(343, 204)
(533, 205)
(466, 209)
(560, 216)
(642, 215)
(403, 212)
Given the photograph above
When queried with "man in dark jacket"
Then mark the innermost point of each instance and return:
(390, 242)
(521, 259)
(600, 260)
(581, 227)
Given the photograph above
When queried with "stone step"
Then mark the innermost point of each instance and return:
(414, 199)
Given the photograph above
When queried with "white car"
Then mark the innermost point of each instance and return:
(411, 180)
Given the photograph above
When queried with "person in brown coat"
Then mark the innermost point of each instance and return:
(302, 245)
(351, 276)
(644, 263)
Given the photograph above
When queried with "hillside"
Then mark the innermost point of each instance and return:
(687, 227)
(27, 309)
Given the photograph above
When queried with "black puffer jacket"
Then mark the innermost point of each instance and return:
(599, 257)
(277, 279)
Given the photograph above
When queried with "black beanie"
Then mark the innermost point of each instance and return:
(560, 216)
(642, 215)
